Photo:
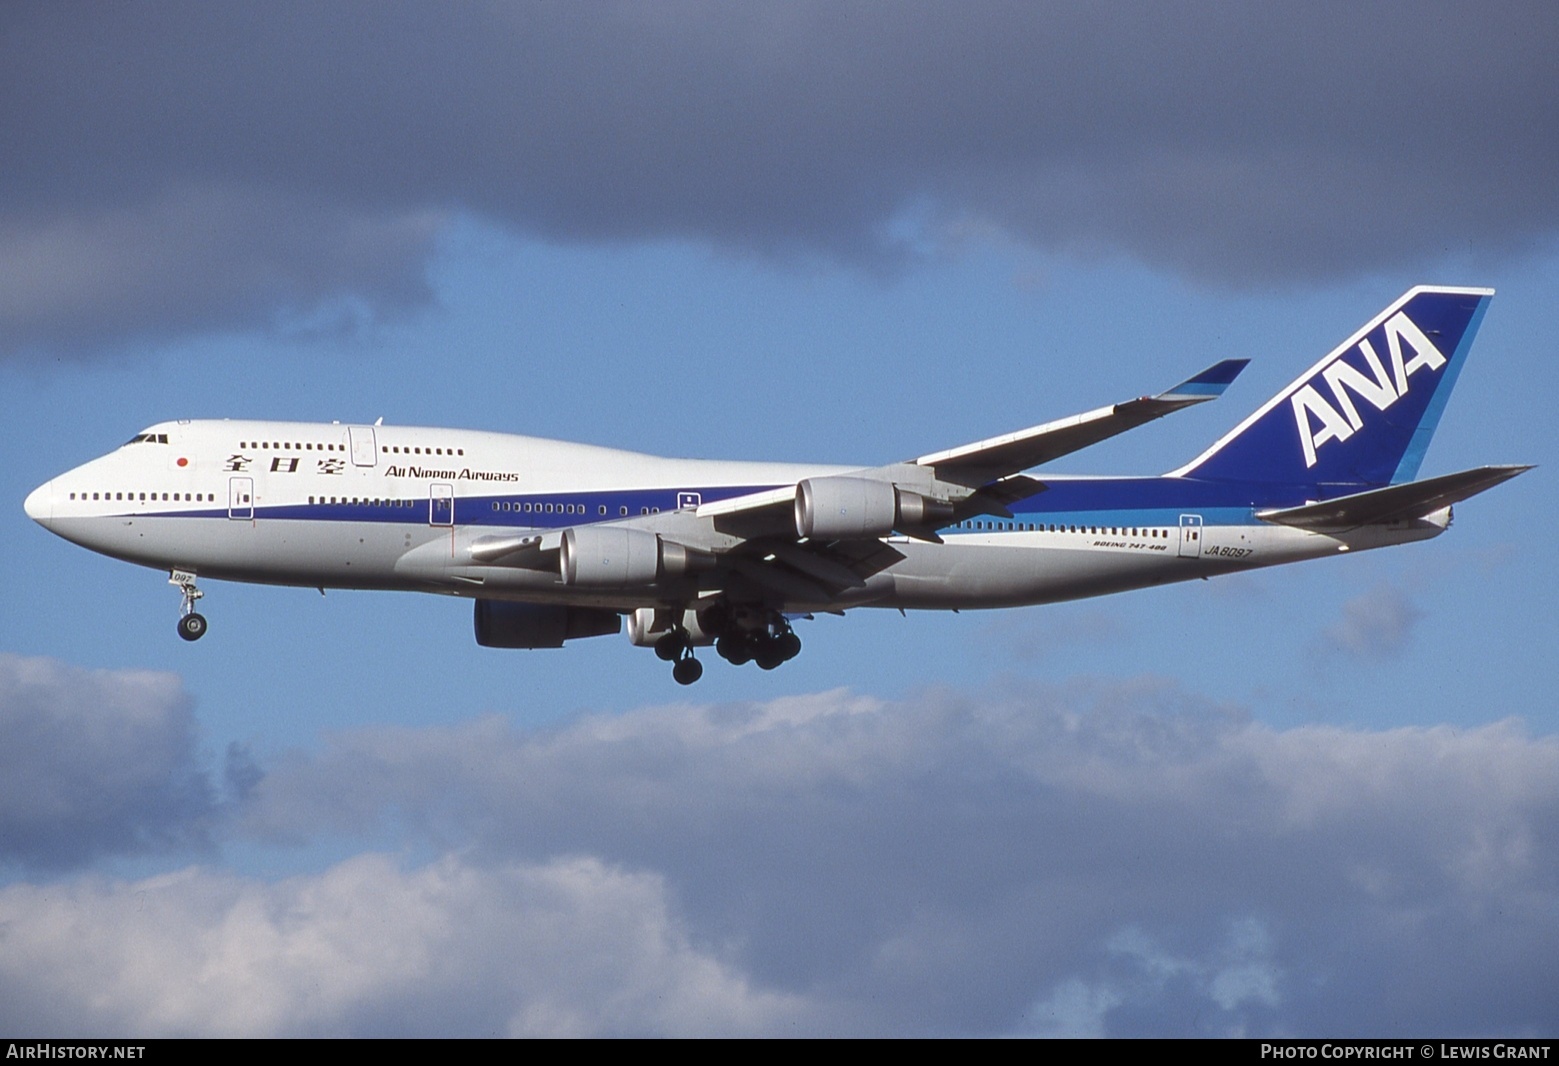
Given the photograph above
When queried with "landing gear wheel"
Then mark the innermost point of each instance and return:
(769, 655)
(192, 626)
(687, 671)
(734, 649)
(671, 645)
(788, 645)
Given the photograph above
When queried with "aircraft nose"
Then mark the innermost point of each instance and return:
(40, 503)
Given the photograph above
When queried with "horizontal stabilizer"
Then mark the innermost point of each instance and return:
(1396, 503)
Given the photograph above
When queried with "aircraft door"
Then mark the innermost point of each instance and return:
(1190, 536)
(365, 448)
(240, 498)
(441, 505)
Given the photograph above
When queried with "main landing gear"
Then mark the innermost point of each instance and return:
(675, 647)
(768, 646)
(742, 634)
(192, 624)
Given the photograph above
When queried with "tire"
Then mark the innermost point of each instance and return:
(192, 626)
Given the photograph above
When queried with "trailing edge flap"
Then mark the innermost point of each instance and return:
(988, 460)
(1395, 503)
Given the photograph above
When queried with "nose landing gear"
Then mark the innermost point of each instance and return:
(192, 625)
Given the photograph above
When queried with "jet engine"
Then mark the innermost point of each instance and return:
(502, 624)
(648, 624)
(615, 557)
(851, 508)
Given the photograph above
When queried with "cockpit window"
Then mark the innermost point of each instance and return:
(147, 438)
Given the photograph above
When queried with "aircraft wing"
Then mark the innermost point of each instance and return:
(988, 467)
(757, 536)
(985, 461)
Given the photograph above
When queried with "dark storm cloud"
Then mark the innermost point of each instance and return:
(171, 167)
(96, 763)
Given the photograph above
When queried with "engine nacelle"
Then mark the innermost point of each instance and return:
(852, 508)
(501, 624)
(648, 624)
(845, 508)
(609, 557)
(615, 557)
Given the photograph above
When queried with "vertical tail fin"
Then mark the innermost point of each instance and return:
(1364, 414)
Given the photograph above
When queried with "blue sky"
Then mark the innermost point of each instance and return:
(1321, 799)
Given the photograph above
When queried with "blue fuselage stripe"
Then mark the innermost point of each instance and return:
(1147, 501)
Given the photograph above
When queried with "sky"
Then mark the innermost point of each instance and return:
(1316, 800)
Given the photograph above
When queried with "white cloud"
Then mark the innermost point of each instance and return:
(1122, 858)
(941, 864)
(564, 948)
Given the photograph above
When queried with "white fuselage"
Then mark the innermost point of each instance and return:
(392, 507)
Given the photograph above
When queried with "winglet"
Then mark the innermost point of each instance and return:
(1208, 385)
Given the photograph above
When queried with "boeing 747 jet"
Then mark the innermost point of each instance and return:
(556, 542)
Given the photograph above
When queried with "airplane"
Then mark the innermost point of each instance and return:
(557, 541)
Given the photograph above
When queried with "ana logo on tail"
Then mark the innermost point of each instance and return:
(1319, 421)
